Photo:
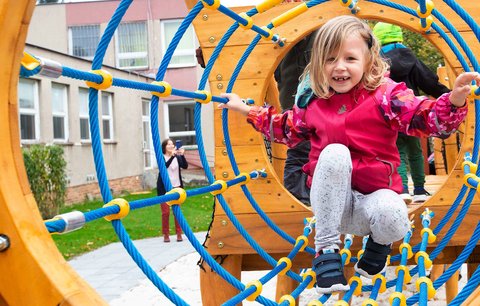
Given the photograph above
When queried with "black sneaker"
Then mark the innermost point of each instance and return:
(329, 270)
(374, 259)
(420, 195)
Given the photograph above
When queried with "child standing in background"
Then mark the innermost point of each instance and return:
(352, 114)
(406, 67)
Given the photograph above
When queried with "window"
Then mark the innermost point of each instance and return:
(83, 40)
(184, 55)
(28, 110)
(132, 46)
(107, 116)
(59, 112)
(83, 114)
(147, 136)
(180, 121)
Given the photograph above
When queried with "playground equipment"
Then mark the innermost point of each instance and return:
(33, 270)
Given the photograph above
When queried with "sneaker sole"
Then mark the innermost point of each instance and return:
(333, 288)
(419, 198)
(366, 274)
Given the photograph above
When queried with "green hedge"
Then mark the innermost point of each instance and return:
(46, 170)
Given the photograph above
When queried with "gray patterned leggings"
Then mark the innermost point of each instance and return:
(339, 209)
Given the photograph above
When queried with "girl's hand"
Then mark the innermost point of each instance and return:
(462, 87)
(235, 104)
(180, 151)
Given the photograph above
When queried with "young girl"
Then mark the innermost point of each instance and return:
(174, 160)
(352, 114)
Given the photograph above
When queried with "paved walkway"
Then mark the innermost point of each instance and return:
(111, 271)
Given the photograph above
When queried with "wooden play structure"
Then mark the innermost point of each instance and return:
(255, 81)
(33, 269)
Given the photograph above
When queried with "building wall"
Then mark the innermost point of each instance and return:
(48, 37)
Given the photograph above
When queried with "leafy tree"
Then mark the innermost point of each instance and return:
(424, 50)
(46, 171)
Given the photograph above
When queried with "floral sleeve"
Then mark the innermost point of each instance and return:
(420, 116)
(288, 128)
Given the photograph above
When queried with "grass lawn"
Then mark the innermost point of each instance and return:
(140, 223)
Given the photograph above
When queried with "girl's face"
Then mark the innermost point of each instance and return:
(170, 147)
(344, 69)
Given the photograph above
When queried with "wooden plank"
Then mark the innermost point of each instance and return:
(224, 291)
(226, 240)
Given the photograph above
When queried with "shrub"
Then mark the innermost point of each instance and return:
(46, 170)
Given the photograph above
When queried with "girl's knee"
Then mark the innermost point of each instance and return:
(390, 218)
(334, 158)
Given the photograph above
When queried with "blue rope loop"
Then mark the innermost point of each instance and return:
(59, 225)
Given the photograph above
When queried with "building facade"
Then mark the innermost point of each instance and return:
(55, 111)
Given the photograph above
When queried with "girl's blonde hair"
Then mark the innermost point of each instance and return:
(329, 39)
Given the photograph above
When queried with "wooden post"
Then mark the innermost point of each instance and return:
(471, 268)
(285, 285)
(452, 287)
(215, 290)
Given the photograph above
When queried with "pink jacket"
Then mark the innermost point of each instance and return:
(367, 123)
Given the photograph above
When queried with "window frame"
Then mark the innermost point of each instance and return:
(84, 115)
(63, 115)
(70, 40)
(28, 111)
(177, 51)
(166, 112)
(109, 117)
(131, 55)
(147, 148)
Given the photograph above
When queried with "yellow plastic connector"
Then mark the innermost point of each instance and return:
(426, 259)
(266, 5)
(305, 242)
(124, 209)
(346, 3)
(428, 282)
(167, 91)
(431, 236)
(214, 6)
(400, 296)
(473, 167)
(472, 176)
(369, 302)
(258, 285)
(249, 20)
(247, 178)
(290, 14)
(315, 303)
(429, 8)
(408, 247)
(221, 190)
(358, 289)
(473, 95)
(383, 285)
(348, 253)
(407, 277)
(288, 263)
(29, 61)
(270, 33)
(341, 303)
(208, 96)
(288, 298)
(181, 198)
(428, 23)
(360, 253)
(312, 274)
(106, 83)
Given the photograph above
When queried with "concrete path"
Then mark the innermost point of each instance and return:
(111, 271)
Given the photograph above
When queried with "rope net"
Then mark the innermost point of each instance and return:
(429, 18)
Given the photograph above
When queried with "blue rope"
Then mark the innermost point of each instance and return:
(471, 244)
